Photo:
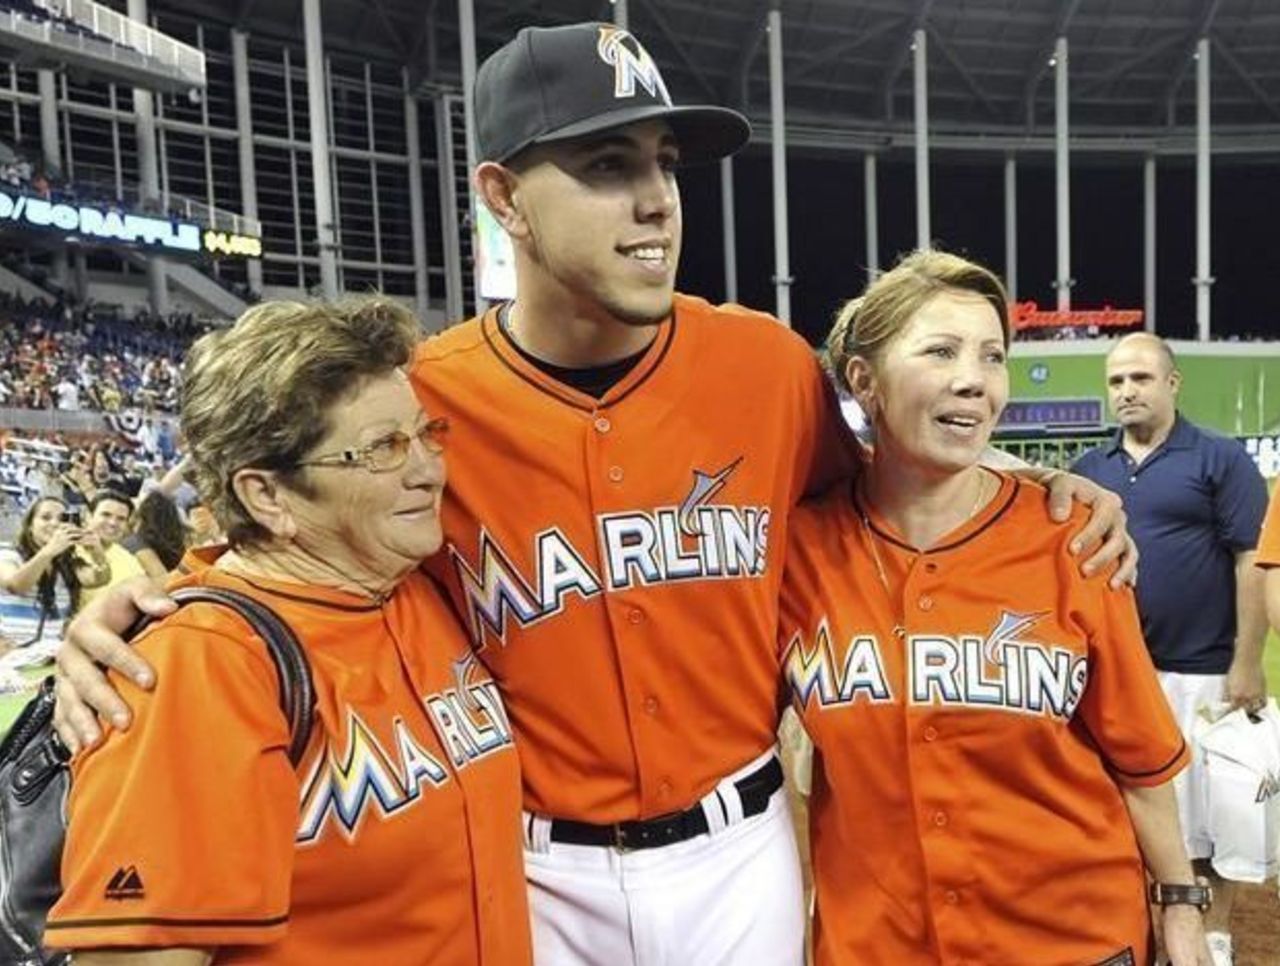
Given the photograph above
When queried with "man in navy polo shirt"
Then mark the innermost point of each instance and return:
(1195, 502)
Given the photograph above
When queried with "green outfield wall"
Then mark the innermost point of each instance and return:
(1233, 387)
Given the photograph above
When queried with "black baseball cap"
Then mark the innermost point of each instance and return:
(554, 83)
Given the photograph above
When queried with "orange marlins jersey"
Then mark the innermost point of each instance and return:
(966, 807)
(617, 561)
(1269, 541)
(396, 841)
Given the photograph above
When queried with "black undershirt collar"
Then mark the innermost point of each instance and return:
(593, 381)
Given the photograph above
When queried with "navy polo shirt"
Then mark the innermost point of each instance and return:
(1193, 504)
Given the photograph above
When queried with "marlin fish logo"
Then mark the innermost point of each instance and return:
(1269, 786)
(705, 486)
(630, 63)
(1007, 629)
(465, 670)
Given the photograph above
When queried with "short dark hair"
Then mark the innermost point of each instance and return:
(107, 495)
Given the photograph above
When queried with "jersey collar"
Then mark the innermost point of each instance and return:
(501, 345)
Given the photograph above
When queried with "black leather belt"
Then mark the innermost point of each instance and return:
(754, 790)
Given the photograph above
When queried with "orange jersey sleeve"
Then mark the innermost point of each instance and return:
(1269, 541)
(633, 543)
(966, 782)
(1123, 707)
(181, 828)
(397, 840)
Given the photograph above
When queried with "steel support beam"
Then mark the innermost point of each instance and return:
(417, 220)
(1191, 41)
(781, 251)
(1149, 243)
(1062, 172)
(898, 59)
(729, 230)
(1011, 226)
(924, 231)
(467, 43)
(149, 174)
(321, 163)
(244, 130)
(1040, 64)
(871, 214)
(1204, 278)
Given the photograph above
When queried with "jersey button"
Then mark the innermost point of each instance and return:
(940, 819)
(931, 733)
(664, 787)
(603, 425)
(615, 473)
(931, 567)
(651, 705)
(634, 616)
(925, 602)
(952, 897)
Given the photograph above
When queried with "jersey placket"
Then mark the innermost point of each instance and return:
(607, 474)
(935, 780)
(469, 780)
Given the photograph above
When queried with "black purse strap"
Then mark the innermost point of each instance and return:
(293, 672)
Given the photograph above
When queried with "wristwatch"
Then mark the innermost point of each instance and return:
(1199, 895)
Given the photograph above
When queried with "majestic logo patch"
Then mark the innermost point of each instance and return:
(125, 884)
(630, 63)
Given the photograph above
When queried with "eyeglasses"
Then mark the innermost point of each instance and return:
(388, 453)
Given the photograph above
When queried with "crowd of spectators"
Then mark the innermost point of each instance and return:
(33, 465)
(91, 357)
(76, 519)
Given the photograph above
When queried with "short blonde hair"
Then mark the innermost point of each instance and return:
(865, 325)
(258, 394)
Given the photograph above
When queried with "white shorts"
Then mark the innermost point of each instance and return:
(1188, 694)
(729, 897)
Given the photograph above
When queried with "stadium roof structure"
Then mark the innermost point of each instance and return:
(848, 63)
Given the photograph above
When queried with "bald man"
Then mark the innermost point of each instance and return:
(1195, 502)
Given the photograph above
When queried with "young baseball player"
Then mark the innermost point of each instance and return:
(994, 751)
(624, 461)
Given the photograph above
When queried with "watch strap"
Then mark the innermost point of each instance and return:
(1181, 894)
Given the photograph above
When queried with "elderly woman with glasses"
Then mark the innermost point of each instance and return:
(397, 840)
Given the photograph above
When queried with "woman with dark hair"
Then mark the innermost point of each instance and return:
(159, 538)
(38, 584)
(104, 474)
(77, 483)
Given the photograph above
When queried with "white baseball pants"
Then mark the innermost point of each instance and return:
(732, 897)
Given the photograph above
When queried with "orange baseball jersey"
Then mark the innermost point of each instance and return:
(966, 806)
(1269, 541)
(617, 561)
(397, 840)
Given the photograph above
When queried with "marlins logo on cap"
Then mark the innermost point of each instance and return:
(547, 85)
(630, 63)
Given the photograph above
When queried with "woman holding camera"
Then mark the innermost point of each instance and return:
(38, 584)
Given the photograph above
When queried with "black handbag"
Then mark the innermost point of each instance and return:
(35, 779)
